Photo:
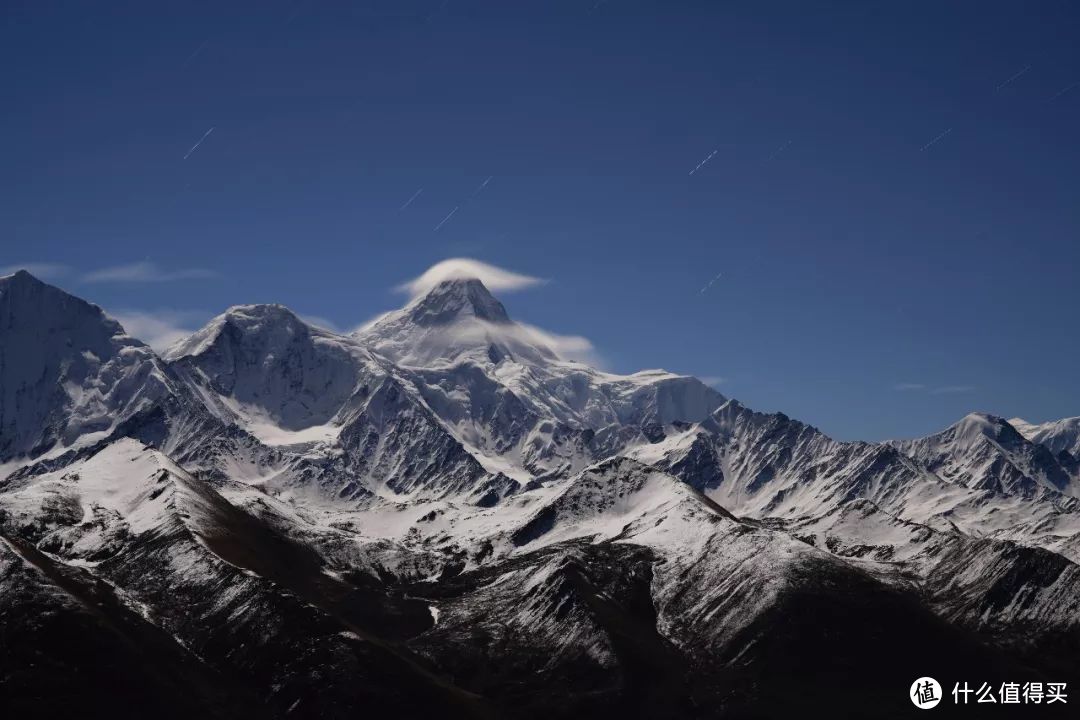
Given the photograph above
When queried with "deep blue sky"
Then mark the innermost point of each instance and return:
(857, 253)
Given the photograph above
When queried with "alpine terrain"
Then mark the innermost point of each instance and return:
(439, 515)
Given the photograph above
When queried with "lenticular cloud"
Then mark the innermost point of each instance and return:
(494, 278)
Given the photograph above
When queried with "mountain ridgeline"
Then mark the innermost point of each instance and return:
(440, 514)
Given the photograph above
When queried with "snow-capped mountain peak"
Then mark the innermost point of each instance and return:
(265, 367)
(456, 320)
(19, 277)
(276, 323)
(451, 300)
(984, 451)
(69, 374)
(976, 426)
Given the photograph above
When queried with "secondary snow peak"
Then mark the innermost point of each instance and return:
(69, 374)
(269, 321)
(1058, 435)
(984, 451)
(264, 367)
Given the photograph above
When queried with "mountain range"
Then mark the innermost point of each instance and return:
(438, 513)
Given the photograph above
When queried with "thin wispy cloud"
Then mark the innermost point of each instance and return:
(159, 329)
(495, 278)
(952, 389)
(369, 322)
(568, 347)
(933, 389)
(196, 145)
(40, 270)
(322, 322)
(145, 272)
(712, 380)
(328, 324)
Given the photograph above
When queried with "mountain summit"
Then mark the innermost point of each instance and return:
(263, 367)
(69, 374)
(455, 320)
(452, 300)
(985, 452)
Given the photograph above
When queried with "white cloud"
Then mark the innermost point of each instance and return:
(941, 390)
(145, 272)
(952, 389)
(495, 278)
(569, 347)
(370, 321)
(328, 324)
(712, 380)
(161, 328)
(320, 321)
(40, 270)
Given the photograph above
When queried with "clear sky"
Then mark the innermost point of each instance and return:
(891, 198)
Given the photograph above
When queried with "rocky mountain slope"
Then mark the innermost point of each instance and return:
(440, 514)
(71, 377)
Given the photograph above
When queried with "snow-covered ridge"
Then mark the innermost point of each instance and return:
(330, 411)
(280, 378)
(289, 503)
(986, 452)
(1058, 435)
(502, 395)
(69, 374)
(478, 381)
